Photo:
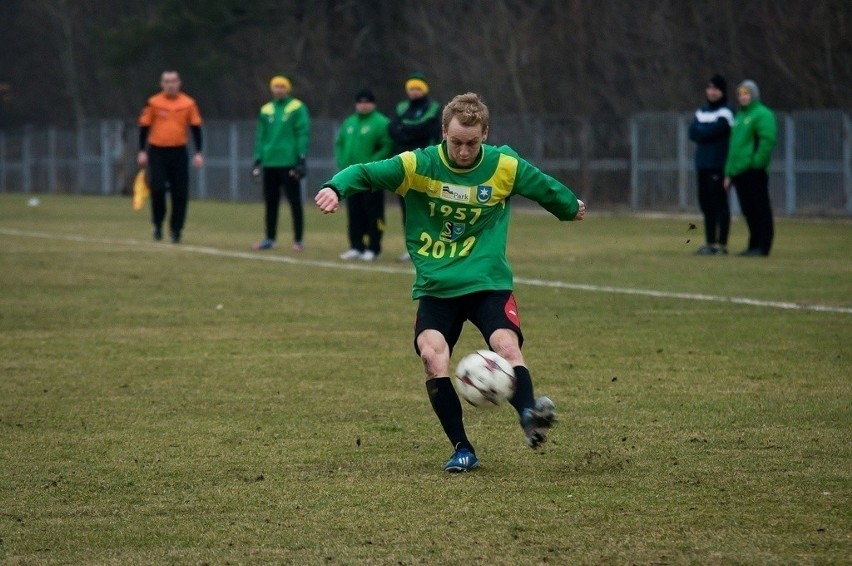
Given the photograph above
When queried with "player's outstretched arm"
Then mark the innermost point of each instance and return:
(327, 200)
(581, 212)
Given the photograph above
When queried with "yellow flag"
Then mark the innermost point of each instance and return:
(141, 192)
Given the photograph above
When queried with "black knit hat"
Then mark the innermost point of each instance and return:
(719, 82)
(365, 95)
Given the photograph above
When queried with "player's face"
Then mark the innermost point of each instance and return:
(713, 93)
(744, 96)
(279, 91)
(364, 107)
(415, 93)
(464, 142)
(170, 83)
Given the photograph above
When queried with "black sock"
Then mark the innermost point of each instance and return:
(447, 406)
(523, 397)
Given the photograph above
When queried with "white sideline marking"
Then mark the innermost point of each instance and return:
(399, 270)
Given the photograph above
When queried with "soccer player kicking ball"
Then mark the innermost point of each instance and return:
(457, 200)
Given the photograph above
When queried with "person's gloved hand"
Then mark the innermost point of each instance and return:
(300, 170)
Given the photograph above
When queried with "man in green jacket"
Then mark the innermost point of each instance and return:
(458, 197)
(363, 137)
(281, 145)
(753, 137)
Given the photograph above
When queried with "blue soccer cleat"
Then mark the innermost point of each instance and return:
(462, 460)
(265, 244)
(537, 420)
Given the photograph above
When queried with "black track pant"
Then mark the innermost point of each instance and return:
(753, 194)
(366, 214)
(713, 201)
(168, 171)
(274, 178)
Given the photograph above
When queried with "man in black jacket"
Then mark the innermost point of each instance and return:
(416, 123)
(710, 130)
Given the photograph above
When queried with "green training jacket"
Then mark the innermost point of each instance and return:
(457, 220)
(753, 137)
(362, 138)
(283, 133)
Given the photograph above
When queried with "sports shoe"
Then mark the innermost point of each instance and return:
(705, 250)
(175, 237)
(368, 255)
(298, 246)
(720, 250)
(462, 460)
(158, 233)
(350, 254)
(264, 244)
(537, 420)
(404, 257)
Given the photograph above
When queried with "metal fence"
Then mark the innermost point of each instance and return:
(810, 171)
(645, 163)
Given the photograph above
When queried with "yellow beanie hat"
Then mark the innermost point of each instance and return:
(417, 80)
(280, 80)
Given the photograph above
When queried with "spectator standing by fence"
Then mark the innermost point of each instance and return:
(753, 138)
(363, 137)
(280, 150)
(416, 124)
(711, 130)
(163, 141)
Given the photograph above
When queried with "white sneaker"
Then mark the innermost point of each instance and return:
(404, 257)
(350, 254)
(368, 255)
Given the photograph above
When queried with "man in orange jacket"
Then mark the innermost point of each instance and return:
(163, 149)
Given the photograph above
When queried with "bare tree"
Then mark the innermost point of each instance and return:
(605, 59)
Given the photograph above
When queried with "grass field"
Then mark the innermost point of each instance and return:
(206, 404)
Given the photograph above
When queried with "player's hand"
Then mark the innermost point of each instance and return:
(142, 158)
(581, 211)
(727, 183)
(198, 160)
(255, 173)
(327, 200)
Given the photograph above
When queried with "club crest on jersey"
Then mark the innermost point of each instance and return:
(483, 193)
(455, 193)
(452, 231)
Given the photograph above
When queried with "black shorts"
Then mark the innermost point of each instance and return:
(487, 310)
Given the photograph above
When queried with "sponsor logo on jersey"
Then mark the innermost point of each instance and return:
(452, 231)
(483, 193)
(455, 193)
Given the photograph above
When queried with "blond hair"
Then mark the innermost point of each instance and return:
(468, 108)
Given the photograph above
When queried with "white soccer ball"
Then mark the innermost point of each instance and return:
(483, 378)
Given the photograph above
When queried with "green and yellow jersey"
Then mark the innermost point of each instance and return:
(457, 219)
